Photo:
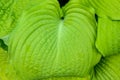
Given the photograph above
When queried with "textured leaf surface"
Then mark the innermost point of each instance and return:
(108, 68)
(68, 78)
(10, 11)
(108, 36)
(43, 45)
(22, 5)
(6, 18)
(110, 8)
(3, 63)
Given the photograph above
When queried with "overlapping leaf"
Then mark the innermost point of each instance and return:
(108, 68)
(109, 8)
(108, 36)
(53, 42)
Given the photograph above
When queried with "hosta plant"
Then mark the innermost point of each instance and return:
(59, 40)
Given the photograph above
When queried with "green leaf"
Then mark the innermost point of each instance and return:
(108, 36)
(10, 11)
(21, 5)
(68, 78)
(3, 63)
(110, 8)
(43, 45)
(6, 17)
(108, 68)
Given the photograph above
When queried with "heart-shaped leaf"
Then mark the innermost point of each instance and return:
(53, 42)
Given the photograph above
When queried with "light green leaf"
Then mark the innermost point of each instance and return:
(21, 5)
(110, 8)
(3, 63)
(10, 11)
(108, 68)
(3, 59)
(53, 42)
(108, 36)
(6, 17)
(68, 78)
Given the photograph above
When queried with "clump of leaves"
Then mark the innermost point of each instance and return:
(59, 40)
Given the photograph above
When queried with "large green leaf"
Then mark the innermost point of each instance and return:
(53, 42)
(108, 68)
(108, 36)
